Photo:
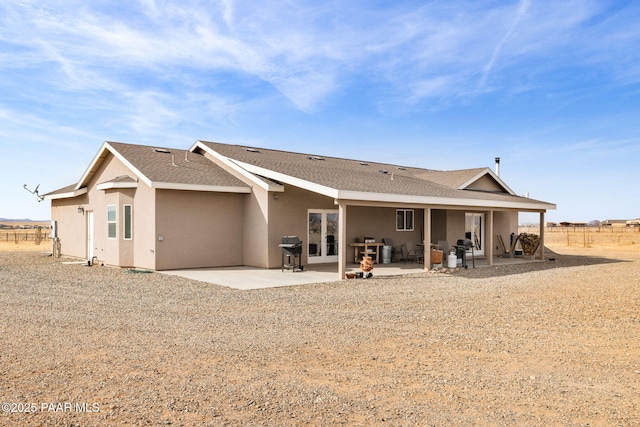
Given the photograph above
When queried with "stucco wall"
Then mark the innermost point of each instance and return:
(144, 227)
(198, 229)
(380, 223)
(288, 217)
(439, 226)
(71, 225)
(455, 226)
(255, 228)
(105, 249)
(486, 183)
(505, 223)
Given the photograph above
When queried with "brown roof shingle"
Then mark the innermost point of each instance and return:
(364, 176)
(171, 165)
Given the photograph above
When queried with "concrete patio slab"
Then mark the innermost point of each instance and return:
(247, 278)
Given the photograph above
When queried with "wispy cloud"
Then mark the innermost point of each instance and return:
(304, 50)
(523, 7)
(75, 72)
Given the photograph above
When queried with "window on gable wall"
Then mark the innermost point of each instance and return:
(111, 222)
(404, 219)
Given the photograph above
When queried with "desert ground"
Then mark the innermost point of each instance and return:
(24, 239)
(551, 343)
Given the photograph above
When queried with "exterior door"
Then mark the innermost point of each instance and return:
(322, 236)
(90, 244)
(474, 227)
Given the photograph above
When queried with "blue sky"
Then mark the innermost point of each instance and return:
(551, 87)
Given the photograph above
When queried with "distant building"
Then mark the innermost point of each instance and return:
(573, 224)
(614, 223)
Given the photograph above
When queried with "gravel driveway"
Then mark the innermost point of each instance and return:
(553, 343)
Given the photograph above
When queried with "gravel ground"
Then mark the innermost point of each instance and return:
(541, 344)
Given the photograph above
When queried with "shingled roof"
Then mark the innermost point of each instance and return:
(212, 166)
(162, 167)
(342, 178)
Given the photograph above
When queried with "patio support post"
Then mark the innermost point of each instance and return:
(542, 235)
(427, 239)
(342, 240)
(490, 243)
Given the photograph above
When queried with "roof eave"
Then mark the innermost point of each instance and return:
(66, 195)
(116, 185)
(199, 187)
(444, 201)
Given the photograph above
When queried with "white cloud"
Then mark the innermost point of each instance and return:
(523, 7)
(305, 50)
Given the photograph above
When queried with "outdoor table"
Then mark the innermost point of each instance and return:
(366, 251)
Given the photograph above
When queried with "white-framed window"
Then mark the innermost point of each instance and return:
(127, 216)
(404, 219)
(112, 218)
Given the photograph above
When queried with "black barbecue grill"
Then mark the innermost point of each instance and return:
(462, 246)
(291, 250)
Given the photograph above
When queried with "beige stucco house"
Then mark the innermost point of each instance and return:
(219, 205)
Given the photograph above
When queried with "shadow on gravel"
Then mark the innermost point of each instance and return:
(553, 260)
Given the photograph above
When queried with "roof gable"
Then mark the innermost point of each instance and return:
(167, 168)
(486, 180)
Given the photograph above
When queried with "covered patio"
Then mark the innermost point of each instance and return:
(433, 224)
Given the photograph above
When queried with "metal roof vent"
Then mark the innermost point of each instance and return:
(315, 158)
(384, 171)
(364, 163)
(252, 150)
(162, 150)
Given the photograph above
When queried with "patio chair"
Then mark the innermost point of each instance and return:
(412, 252)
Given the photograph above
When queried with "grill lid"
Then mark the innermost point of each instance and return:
(467, 243)
(290, 241)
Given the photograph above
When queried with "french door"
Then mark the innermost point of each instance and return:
(474, 228)
(322, 235)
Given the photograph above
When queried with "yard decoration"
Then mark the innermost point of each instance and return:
(366, 265)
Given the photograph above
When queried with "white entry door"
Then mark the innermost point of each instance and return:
(90, 235)
(322, 235)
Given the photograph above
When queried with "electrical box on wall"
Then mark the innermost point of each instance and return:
(161, 238)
